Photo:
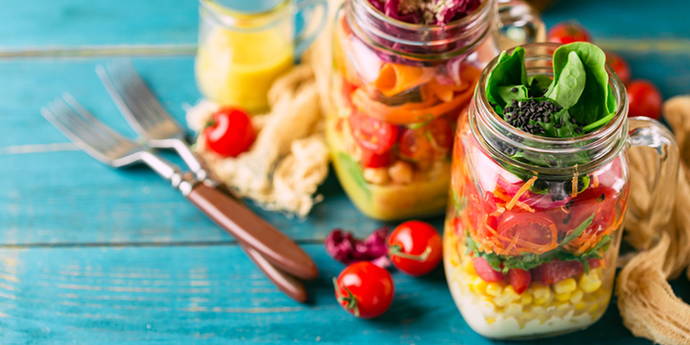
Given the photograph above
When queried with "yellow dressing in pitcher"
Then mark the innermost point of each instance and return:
(237, 67)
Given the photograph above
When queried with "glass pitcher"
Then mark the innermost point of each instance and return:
(245, 45)
(555, 230)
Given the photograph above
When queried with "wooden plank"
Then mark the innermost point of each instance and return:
(634, 19)
(61, 23)
(212, 295)
(72, 23)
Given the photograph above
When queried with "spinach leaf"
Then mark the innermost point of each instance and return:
(512, 93)
(566, 90)
(577, 231)
(538, 84)
(509, 70)
(560, 126)
(598, 123)
(594, 102)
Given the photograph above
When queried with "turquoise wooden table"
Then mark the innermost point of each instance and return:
(89, 255)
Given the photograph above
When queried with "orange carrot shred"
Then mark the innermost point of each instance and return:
(520, 191)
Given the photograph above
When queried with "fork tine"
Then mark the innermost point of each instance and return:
(130, 91)
(86, 131)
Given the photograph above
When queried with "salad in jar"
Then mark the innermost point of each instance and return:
(539, 191)
(403, 72)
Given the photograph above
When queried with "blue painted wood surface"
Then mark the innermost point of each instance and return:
(92, 255)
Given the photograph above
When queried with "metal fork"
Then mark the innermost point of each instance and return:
(109, 147)
(146, 115)
(154, 124)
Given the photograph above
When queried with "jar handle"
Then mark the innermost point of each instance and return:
(518, 23)
(646, 132)
(305, 10)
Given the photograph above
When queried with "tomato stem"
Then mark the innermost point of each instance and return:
(396, 250)
(350, 300)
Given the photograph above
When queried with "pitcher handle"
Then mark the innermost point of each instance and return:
(646, 132)
(306, 9)
(518, 24)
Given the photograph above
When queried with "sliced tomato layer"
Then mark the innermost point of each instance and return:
(485, 271)
(373, 134)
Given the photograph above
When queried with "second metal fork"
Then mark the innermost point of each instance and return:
(254, 234)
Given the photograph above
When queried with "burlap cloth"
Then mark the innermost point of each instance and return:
(645, 299)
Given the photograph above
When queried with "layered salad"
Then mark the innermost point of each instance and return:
(528, 254)
(391, 129)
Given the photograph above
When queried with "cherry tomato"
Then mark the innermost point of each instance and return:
(568, 32)
(415, 247)
(364, 289)
(536, 233)
(554, 271)
(519, 279)
(230, 132)
(645, 99)
(619, 66)
(485, 271)
(422, 143)
(373, 134)
(371, 159)
(598, 201)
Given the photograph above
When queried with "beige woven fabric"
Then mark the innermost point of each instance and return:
(645, 299)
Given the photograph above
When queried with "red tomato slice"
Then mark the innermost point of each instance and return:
(485, 271)
(519, 279)
(371, 159)
(373, 134)
(555, 271)
(423, 143)
(599, 201)
(524, 232)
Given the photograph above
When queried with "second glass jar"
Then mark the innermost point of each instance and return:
(397, 91)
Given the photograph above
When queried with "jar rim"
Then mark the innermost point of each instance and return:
(607, 136)
(484, 5)
(234, 19)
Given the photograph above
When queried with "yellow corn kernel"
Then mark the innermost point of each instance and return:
(510, 293)
(513, 309)
(526, 298)
(590, 282)
(580, 306)
(542, 294)
(490, 320)
(478, 285)
(502, 300)
(468, 267)
(563, 297)
(565, 286)
(494, 289)
(576, 297)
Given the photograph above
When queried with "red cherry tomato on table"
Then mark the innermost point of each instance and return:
(568, 32)
(645, 99)
(619, 66)
(373, 134)
(230, 132)
(364, 289)
(415, 247)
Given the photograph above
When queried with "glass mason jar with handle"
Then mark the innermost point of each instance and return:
(245, 45)
(530, 251)
(396, 91)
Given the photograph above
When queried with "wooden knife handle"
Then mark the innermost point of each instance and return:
(285, 282)
(248, 228)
